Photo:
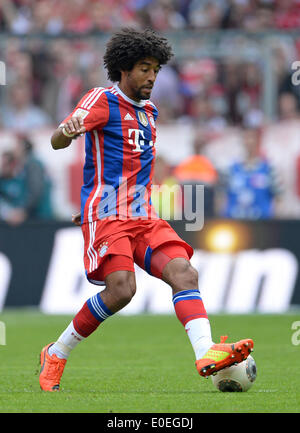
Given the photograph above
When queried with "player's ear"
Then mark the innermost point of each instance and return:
(123, 74)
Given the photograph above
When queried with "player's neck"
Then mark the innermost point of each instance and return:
(128, 92)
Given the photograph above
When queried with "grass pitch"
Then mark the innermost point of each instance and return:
(145, 364)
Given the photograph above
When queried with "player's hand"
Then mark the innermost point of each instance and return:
(74, 126)
(76, 219)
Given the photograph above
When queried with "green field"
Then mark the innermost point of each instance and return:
(145, 364)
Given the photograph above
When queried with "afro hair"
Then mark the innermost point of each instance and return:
(127, 46)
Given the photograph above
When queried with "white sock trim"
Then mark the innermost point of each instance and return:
(199, 333)
(66, 342)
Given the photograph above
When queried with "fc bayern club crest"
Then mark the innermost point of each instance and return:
(103, 248)
(143, 118)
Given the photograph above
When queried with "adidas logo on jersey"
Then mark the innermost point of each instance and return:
(128, 117)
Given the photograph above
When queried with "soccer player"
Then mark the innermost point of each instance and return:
(118, 222)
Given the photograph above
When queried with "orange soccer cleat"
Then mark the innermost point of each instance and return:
(51, 371)
(223, 355)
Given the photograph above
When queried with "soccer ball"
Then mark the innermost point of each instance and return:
(236, 378)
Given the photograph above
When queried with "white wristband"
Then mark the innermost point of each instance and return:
(67, 134)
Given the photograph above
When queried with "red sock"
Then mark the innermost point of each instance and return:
(188, 306)
(93, 312)
(84, 322)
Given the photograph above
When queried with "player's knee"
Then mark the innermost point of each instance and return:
(123, 288)
(193, 276)
(126, 293)
(182, 276)
(189, 277)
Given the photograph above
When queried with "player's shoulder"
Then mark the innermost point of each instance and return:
(150, 105)
(94, 96)
(99, 89)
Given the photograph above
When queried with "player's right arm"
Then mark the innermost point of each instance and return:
(90, 113)
(63, 136)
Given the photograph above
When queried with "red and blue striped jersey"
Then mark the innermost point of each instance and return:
(120, 152)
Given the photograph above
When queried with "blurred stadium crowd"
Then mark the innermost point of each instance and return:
(86, 16)
(53, 49)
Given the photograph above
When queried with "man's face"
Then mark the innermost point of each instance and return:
(140, 80)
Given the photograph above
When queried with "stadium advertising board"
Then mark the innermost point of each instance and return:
(243, 267)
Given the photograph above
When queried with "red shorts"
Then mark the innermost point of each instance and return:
(115, 245)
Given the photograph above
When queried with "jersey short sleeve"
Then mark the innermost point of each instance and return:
(93, 108)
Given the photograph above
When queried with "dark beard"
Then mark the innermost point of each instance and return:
(139, 95)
